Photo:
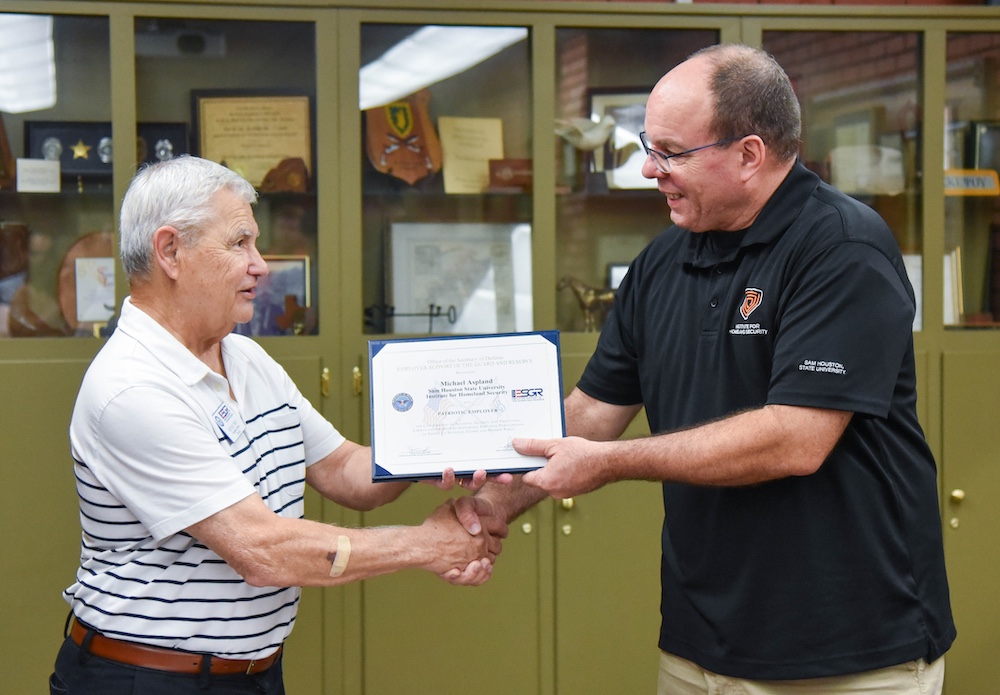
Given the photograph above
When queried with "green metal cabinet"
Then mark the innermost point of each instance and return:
(970, 480)
(39, 512)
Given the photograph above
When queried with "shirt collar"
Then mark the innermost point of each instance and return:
(777, 215)
(162, 345)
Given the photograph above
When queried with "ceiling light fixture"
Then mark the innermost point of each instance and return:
(429, 55)
(27, 63)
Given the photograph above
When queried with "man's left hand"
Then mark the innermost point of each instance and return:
(575, 465)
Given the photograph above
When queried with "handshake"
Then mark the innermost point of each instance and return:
(463, 537)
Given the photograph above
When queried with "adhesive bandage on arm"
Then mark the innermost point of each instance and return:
(338, 560)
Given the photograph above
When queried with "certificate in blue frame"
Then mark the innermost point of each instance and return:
(457, 401)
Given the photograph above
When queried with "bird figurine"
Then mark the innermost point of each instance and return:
(584, 133)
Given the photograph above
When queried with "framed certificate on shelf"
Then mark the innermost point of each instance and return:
(457, 402)
(252, 132)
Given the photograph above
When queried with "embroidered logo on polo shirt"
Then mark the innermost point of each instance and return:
(752, 298)
(828, 366)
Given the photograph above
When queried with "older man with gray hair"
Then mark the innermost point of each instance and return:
(192, 450)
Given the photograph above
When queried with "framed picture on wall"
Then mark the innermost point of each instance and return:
(622, 156)
(477, 275)
(283, 298)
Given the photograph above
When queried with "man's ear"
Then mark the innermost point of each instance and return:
(166, 245)
(753, 151)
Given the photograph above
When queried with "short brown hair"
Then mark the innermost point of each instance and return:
(753, 96)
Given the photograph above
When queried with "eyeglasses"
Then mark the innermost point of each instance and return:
(662, 161)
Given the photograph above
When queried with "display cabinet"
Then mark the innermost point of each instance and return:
(446, 207)
(500, 194)
(972, 157)
(446, 178)
(862, 135)
(202, 86)
(130, 85)
(606, 211)
(243, 92)
(64, 212)
(966, 76)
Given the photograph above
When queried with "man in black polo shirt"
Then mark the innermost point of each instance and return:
(768, 334)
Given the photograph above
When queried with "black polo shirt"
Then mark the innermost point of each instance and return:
(838, 572)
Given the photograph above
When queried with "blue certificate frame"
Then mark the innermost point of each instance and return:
(458, 401)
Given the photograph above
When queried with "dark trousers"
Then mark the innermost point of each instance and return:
(80, 673)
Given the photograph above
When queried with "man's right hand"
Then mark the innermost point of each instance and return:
(478, 514)
(460, 557)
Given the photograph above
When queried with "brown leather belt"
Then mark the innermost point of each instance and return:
(173, 660)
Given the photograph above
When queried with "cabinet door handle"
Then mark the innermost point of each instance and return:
(957, 495)
(324, 382)
(567, 503)
(356, 376)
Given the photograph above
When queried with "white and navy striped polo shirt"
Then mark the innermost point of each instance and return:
(151, 460)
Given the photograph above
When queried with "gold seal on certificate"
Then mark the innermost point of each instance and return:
(457, 402)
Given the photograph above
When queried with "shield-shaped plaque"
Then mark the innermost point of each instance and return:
(401, 140)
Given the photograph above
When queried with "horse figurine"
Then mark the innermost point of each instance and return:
(593, 301)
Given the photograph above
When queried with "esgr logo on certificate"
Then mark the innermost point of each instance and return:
(534, 394)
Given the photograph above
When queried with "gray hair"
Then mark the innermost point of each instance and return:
(177, 193)
(753, 96)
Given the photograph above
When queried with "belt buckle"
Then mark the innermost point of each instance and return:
(250, 666)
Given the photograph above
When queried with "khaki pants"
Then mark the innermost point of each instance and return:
(681, 677)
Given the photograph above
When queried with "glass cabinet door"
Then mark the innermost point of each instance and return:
(860, 96)
(242, 93)
(606, 211)
(56, 265)
(446, 176)
(972, 191)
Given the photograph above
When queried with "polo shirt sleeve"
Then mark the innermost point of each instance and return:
(845, 329)
(319, 436)
(161, 462)
(612, 374)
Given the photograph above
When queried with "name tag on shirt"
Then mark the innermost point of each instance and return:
(229, 421)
